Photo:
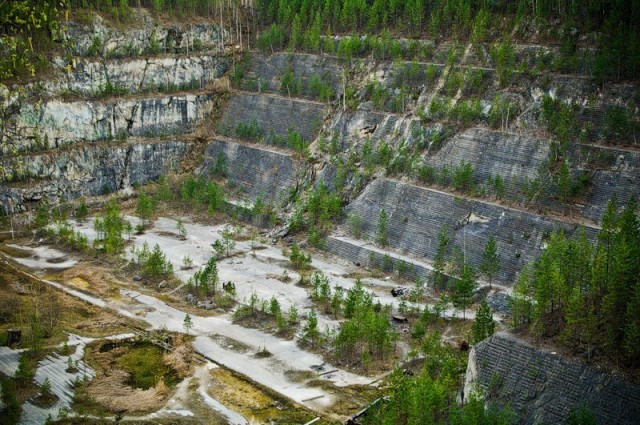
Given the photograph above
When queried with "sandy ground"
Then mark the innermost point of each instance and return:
(255, 270)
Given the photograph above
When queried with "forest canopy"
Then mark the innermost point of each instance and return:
(28, 28)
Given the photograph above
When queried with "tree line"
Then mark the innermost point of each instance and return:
(448, 16)
(299, 23)
(27, 28)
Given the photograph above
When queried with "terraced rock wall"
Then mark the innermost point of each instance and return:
(89, 171)
(95, 77)
(274, 115)
(57, 123)
(255, 172)
(367, 255)
(417, 214)
(513, 157)
(542, 387)
(146, 35)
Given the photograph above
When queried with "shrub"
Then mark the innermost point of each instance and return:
(96, 46)
(355, 225)
(382, 230)
(248, 131)
(299, 259)
(463, 177)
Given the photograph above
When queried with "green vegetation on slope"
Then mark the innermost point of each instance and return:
(285, 22)
(430, 396)
(27, 29)
(587, 296)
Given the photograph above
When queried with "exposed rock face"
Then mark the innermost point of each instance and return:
(542, 387)
(354, 128)
(274, 115)
(615, 172)
(255, 172)
(370, 256)
(57, 123)
(93, 77)
(125, 132)
(89, 171)
(147, 35)
(492, 153)
(417, 214)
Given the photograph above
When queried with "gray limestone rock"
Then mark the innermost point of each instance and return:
(542, 386)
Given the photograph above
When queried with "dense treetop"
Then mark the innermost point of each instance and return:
(587, 296)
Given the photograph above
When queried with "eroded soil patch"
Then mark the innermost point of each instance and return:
(132, 376)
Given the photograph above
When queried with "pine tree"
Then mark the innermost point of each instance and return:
(382, 231)
(313, 36)
(620, 302)
(465, 287)
(25, 372)
(564, 182)
(206, 280)
(438, 278)
(311, 332)
(295, 40)
(483, 327)
(112, 226)
(144, 208)
(187, 323)
(274, 307)
(631, 339)
(227, 240)
(490, 259)
(182, 231)
(606, 239)
(504, 57)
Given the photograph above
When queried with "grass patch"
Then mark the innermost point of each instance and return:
(257, 403)
(143, 362)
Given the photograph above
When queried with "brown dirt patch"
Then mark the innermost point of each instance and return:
(232, 344)
(300, 375)
(256, 403)
(103, 322)
(91, 278)
(111, 392)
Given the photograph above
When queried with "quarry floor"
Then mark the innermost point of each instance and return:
(254, 266)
